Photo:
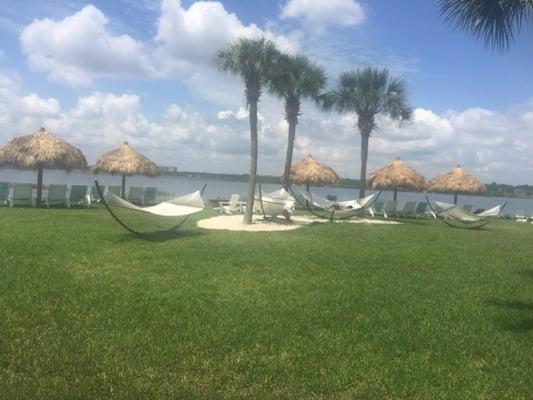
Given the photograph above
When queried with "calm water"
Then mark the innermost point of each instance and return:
(170, 186)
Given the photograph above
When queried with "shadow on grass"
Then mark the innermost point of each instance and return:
(517, 324)
(159, 236)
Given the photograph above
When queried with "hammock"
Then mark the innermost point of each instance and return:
(272, 204)
(335, 209)
(183, 206)
(457, 217)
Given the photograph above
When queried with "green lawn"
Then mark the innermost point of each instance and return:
(329, 311)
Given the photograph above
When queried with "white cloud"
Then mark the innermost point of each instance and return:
(321, 13)
(242, 113)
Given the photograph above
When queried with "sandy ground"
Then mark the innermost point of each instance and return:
(234, 223)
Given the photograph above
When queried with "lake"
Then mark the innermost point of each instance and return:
(169, 186)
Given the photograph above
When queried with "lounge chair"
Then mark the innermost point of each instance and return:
(95, 197)
(135, 195)
(408, 210)
(377, 208)
(4, 193)
(22, 195)
(390, 209)
(233, 206)
(116, 190)
(149, 195)
(468, 207)
(57, 195)
(78, 196)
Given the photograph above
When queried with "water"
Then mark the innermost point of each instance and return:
(173, 186)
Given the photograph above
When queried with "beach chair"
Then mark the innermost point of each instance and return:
(135, 195)
(408, 210)
(57, 195)
(232, 206)
(377, 208)
(149, 195)
(78, 196)
(95, 197)
(390, 209)
(22, 194)
(116, 190)
(4, 193)
(468, 207)
(423, 210)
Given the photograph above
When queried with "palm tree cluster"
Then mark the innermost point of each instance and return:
(366, 92)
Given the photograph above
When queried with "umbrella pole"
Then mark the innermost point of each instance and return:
(455, 198)
(307, 192)
(39, 185)
(123, 186)
(395, 193)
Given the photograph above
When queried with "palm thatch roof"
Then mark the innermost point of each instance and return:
(41, 150)
(125, 161)
(455, 181)
(311, 172)
(396, 175)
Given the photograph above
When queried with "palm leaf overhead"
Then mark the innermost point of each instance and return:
(369, 92)
(295, 78)
(495, 22)
(252, 60)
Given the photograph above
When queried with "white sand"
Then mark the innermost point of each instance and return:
(234, 223)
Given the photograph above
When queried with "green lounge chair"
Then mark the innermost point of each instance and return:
(468, 207)
(408, 210)
(116, 190)
(57, 195)
(377, 208)
(390, 209)
(22, 194)
(95, 197)
(135, 195)
(422, 210)
(78, 196)
(4, 193)
(149, 195)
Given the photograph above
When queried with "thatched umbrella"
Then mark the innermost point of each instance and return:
(125, 161)
(311, 172)
(456, 181)
(41, 150)
(396, 175)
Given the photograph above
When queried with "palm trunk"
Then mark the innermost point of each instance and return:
(290, 148)
(364, 158)
(39, 186)
(253, 162)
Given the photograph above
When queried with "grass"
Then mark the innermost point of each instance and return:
(329, 311)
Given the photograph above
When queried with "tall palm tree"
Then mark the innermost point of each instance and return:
(252, 60)
(369, 92)
(295, 78)
(496, 22)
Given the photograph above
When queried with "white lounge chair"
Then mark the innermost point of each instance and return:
(520, 216)
(233, 206)
(390, 209)
(22, 195)
(78, 196)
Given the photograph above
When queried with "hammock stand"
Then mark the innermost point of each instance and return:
(131, 230)
(474, 221)
(349, 213)
(285, 213)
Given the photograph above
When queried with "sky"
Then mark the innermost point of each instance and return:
(98, 73)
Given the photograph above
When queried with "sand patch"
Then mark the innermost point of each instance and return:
(234, 223)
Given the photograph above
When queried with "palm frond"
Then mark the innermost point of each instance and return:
(495, 22)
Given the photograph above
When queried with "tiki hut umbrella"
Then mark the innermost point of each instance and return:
(456, 181)
(41, 150)
(396, 175)
(125, 161)
(311, 172)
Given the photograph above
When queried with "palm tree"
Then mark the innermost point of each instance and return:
(295, 78)
(252, 60)
(369, 92)
(496, 22)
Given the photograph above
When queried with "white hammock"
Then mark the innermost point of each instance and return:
(455, 216)
(279, 202)
(348, 205)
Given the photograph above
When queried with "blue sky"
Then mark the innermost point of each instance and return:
(139, 70)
